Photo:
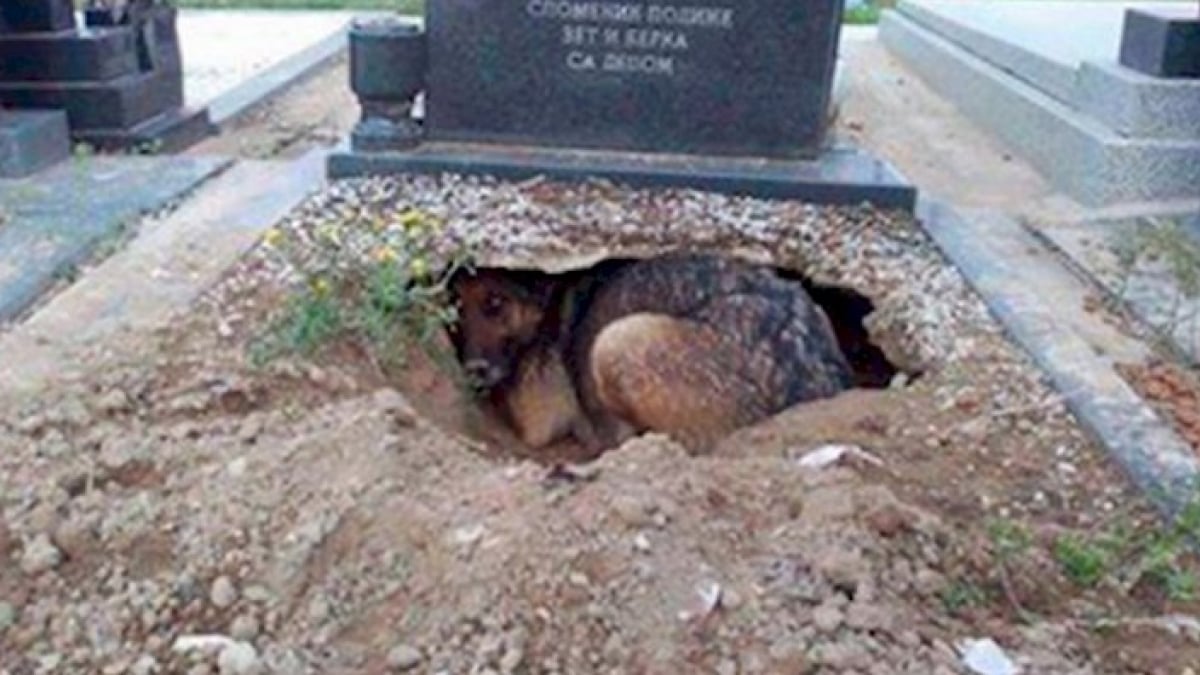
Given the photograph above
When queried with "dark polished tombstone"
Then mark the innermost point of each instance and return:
(728, 95)
(119, 77)
(1163, 42)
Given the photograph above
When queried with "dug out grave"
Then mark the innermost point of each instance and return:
(724, 96)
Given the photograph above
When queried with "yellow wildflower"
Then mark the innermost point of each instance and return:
(418, 268)
(329, 232)
(320, 286)
(385, 254)
(273, 237)
(412, 219)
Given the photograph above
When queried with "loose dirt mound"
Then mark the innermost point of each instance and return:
(325, 516)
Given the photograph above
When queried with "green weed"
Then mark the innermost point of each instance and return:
(866, 14)
(962, 595)
(1122, 557)
(1083, 561)
(367, 280)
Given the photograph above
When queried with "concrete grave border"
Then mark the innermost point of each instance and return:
(987, 249)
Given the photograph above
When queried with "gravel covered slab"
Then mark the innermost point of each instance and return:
(553, 226)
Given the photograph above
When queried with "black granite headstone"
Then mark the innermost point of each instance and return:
(36, 16)
(724, 95)
(1161, 43)
(709, 77)
(119, 78)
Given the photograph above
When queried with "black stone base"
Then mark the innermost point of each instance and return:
(171, 131)
(31, 140)
(837, 176)
(1161, 44)
(121, 103)
(98, 54)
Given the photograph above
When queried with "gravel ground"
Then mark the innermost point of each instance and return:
(177, 510)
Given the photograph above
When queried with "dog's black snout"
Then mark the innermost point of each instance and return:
(483, 373)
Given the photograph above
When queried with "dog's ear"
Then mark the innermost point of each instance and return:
(538, 288)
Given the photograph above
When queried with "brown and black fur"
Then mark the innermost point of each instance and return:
(508, 338)
(690, 345)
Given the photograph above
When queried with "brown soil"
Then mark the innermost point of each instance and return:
(1173, 391)
(351, 523)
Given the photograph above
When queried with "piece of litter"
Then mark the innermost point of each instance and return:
(828, 455)
(710, 597)
(202, 643)
(985, 657)
(641, 543)
(465, 536)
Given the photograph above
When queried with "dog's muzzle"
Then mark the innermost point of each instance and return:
(483, 374)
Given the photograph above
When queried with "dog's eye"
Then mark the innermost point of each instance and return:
(493, 305)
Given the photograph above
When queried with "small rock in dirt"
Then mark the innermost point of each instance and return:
(40, 555)
(8, 616)
(244, 628)
(113, 401)
(71, 412)
(731, 599)
(73, 538)
(866, 616)
(844, 655)
(396, 406)
(511, 660)
(145, 665)
(827, 618)
(888, 520)
(50, 662)
(239, 658)
(223, 593)
(985, 657)
(928, 582)
(630, 511)
(258, 594)
(237, 467)
(318, 609)
(403, 658)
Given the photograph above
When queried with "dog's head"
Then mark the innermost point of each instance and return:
(502, 315)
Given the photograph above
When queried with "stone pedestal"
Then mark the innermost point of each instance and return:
(728, 96)
(119, 79)
(31, 140)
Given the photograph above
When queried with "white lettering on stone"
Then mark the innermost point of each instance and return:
(651, 64)
(643, 38)
(652, 35)
(580, 61)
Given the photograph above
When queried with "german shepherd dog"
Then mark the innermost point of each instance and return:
(693, 346)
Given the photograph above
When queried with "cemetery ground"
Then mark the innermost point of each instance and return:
(235, 492)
